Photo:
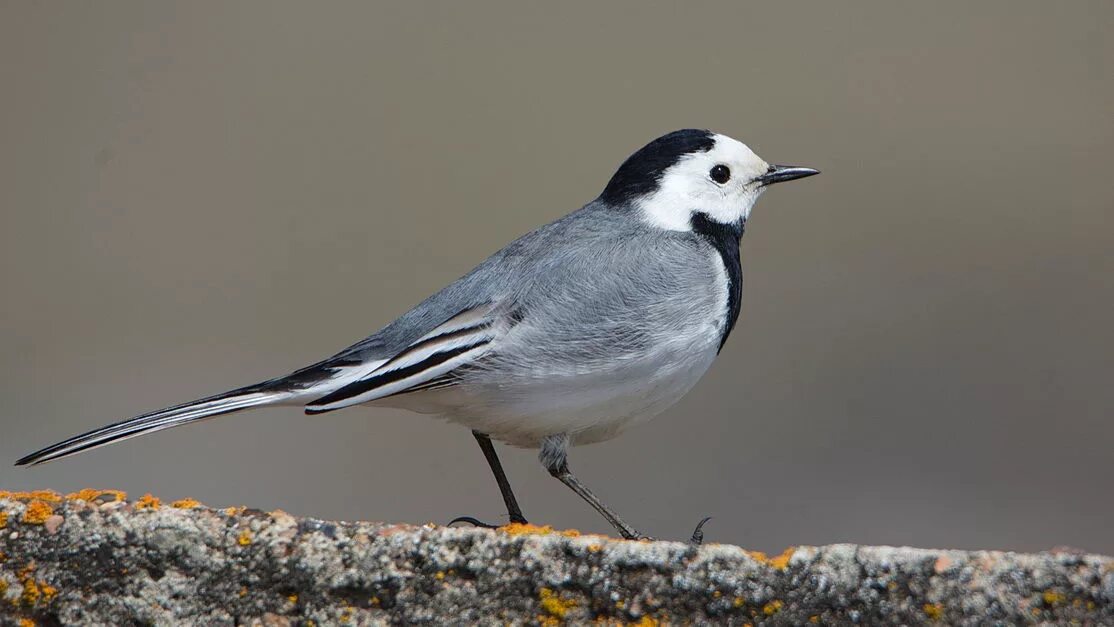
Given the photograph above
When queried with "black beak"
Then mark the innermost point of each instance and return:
(782, 173)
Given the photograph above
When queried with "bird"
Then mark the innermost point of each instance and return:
(569, 335)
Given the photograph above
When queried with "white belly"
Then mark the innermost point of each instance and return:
(590, 407)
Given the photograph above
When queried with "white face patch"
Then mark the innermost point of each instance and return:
(688, 187)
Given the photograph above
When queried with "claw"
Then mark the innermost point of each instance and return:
(475, 522)
(698, 533)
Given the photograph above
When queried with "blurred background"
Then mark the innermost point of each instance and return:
(197, 196)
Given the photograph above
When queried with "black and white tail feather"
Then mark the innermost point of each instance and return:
(343, 380)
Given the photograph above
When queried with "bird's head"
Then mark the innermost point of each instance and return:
(689, 172)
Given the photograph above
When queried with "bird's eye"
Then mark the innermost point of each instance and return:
(720, 174)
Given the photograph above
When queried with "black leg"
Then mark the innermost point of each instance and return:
(698, 533)
(555, 459)
(514, 512)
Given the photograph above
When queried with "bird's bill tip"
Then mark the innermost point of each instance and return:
(781, 173)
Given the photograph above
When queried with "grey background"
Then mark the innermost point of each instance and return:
(197, 196)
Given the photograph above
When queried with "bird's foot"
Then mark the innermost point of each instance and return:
(475, 522)
(698, 534)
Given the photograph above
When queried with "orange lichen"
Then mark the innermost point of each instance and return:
(91, 494)
(37, 512)
(773, 607)
(554, 605)
(147, 501)
(781, 560)
(41, 495)
(292, 598)
(777, 562)
(186, 503)
(35, 591)
(814, 619)
(3, 519)
(234, 511)
(245, 538)
(933, 610)
(26, 622)
(1052, 597)
(520, 529)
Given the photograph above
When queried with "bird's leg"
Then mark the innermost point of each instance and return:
(698, 533)
(554, 456)
(514, 512)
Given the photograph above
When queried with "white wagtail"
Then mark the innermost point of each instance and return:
(569, 335)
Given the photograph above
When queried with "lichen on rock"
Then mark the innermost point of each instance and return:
(111, 561)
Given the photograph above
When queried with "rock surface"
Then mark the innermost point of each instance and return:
(93, 557)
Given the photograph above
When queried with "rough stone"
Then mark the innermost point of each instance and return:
(114, 562)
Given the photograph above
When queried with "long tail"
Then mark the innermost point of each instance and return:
(235, 400)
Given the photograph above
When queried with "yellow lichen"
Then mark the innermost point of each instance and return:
(234, 511)
(739, 602)
(41, 495)
(1052, 597)
(37, 512)
(554, 605)
(519, 529)
(933, 610)
(773, 607)
(777, 562)
(31, 592)
(90, 494)
(440, 575)
(595, 548)
(186, 503)
(147, 501)
(245, 538)
(646, 621)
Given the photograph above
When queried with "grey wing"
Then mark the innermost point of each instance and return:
(579, 294)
